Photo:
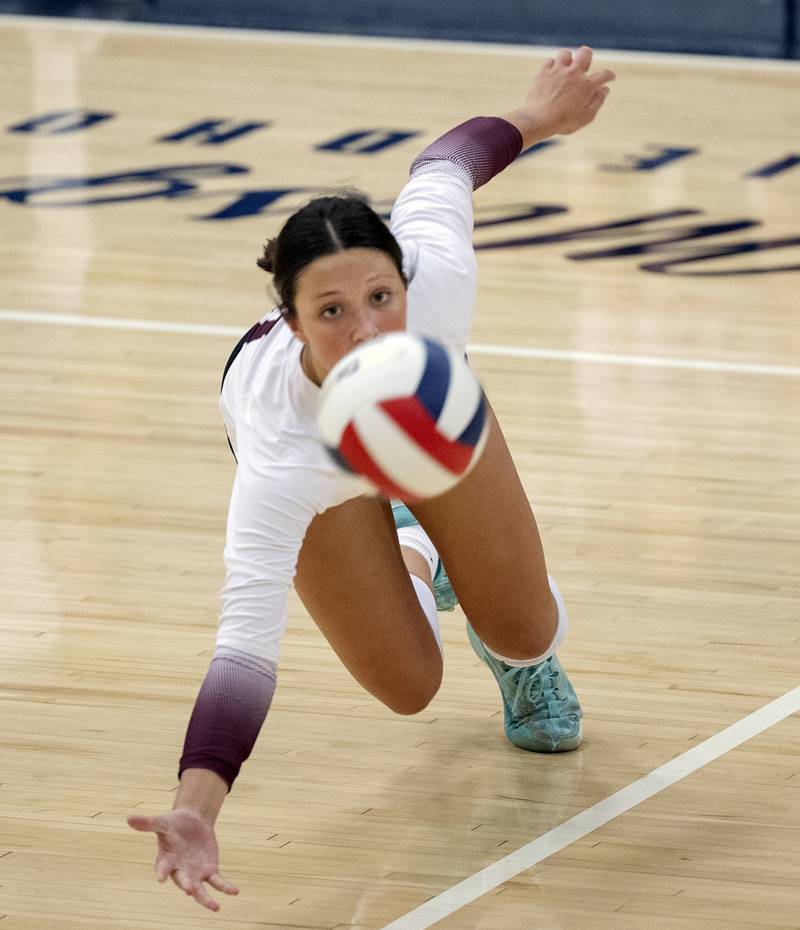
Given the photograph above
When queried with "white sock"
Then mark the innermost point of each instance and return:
(560, 635)
(414, 537)
(428, 604)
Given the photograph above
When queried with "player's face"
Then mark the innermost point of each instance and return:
(343, 300)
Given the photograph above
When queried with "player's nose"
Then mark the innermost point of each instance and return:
(366, 327)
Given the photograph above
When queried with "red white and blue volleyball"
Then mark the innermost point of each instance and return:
(405, 412)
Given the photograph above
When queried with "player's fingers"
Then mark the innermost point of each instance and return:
(200, 895)
(598, 100)
(183, 881)
(148, 824)
(222, 884)
(563, 57)
(603, 77)
(163, 868)
(582, 60)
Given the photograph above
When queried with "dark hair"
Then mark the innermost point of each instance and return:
(323, 227)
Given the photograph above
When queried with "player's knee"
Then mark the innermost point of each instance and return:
(414, 696)
(409, 704)
(525, 644)
(529, 636)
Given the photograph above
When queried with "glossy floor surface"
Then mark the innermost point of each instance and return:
(638, 334)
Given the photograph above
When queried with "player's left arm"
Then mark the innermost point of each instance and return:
(563, 97)
(433, 219)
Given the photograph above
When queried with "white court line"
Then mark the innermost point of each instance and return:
(598, 815)
(475, 348)
(399, 43)
(111, 322)
(643, 361)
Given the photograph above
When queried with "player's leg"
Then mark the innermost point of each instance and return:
(487, 536)
(413, 541)
(353, 581)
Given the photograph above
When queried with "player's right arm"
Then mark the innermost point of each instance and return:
(266, 524)
(187, 846)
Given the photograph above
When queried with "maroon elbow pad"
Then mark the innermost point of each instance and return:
(484, 146)
(228, 714)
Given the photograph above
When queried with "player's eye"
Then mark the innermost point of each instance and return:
(330, 313)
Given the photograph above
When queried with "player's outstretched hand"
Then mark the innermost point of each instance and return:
(187, 853)
(564, 96)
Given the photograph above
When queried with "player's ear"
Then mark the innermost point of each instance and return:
(296, 328)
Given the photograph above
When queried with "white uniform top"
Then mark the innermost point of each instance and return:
(284, 476)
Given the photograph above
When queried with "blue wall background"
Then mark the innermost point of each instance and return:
(766, 28)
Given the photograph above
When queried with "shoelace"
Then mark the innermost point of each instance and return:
(532, 683)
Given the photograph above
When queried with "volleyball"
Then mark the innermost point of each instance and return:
(406, 413)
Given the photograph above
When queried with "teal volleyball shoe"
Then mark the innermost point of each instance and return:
(541, 709)
(445, 595)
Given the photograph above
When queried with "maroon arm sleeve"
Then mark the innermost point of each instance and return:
(228, 714)
(484, 146)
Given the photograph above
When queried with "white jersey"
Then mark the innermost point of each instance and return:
(284, 476)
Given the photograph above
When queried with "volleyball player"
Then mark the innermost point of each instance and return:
(371, 580)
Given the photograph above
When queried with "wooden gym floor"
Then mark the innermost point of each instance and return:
(646, 375)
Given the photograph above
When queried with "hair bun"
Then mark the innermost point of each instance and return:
(267, 260)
